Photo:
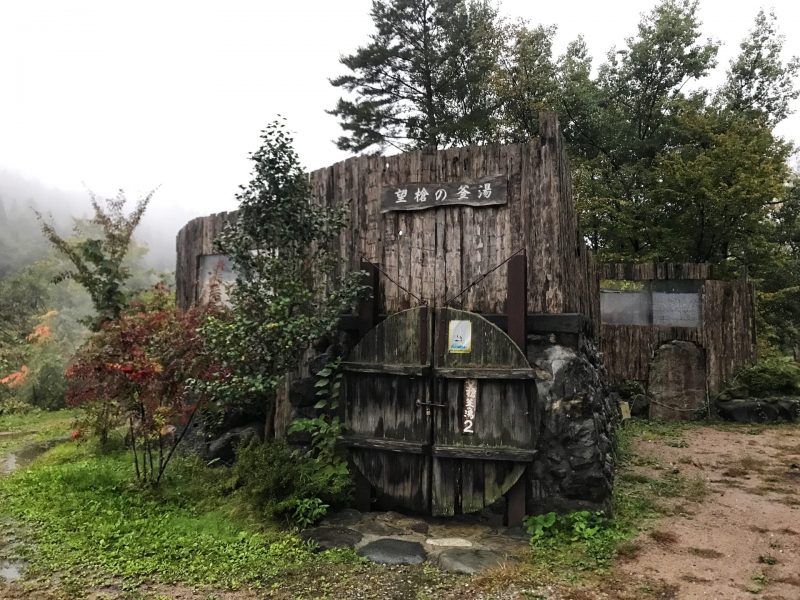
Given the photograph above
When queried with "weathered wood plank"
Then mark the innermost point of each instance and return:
(485, 453)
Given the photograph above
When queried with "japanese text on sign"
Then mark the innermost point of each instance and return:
(419, 196)
(470, 403)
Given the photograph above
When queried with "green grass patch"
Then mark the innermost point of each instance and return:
(571, 546)
(34, 426)
(87, 515)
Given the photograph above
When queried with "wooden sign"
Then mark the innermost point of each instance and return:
(489, 191)
(470, 405)
(459, 337)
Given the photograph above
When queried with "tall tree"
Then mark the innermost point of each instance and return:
(758, 80)
(98, 262)
(716, 189)
(526, 80)
(622, 120)
(288, 291)
(424, 77)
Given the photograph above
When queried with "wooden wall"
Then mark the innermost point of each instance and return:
(655, 271)
(194, 240)
(435, 253)
(727, 333)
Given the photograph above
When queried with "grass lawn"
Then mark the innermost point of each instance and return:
(82, 517)
(37, 425)
(88, 516)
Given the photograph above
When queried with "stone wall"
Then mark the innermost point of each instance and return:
(574, 469)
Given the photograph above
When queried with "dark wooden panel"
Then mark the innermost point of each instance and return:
(388, 426)
(491, 458)
(655, 271)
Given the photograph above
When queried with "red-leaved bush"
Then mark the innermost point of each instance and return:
(139, 370)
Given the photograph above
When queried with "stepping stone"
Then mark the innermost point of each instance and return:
(450, 542)
(344, 518)
(469, 562)
(389, 551)
(379, 528)
(332, 537)
(419, 527)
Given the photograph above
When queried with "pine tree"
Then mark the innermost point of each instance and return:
(424, 77)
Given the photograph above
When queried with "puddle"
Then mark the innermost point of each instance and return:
(11, 571)
(25, 456)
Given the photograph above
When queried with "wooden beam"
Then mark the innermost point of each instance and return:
(385, 444)
(515, 502)
(386, 368)
(484, 453)
(484, 373)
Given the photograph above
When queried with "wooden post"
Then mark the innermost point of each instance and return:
(517, 299)
(367, 320)
(516, 307)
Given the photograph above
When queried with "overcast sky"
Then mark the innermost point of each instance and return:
(173, 93)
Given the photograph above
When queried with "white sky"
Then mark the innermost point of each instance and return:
(174, 93)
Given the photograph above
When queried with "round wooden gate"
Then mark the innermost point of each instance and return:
(439, 410)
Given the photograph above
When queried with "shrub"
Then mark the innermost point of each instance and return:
(139, 370)
(285, 485)
(772, 376)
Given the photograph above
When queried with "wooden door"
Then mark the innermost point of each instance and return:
(439, 423)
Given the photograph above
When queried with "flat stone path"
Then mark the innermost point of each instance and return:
(388, 551)
(466, 545)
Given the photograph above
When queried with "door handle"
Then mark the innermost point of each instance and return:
(421, 403)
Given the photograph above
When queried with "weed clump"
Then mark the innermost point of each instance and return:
(281, 485)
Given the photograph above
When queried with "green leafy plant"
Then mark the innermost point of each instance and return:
(772, 376)
(579, 525)
(589, 539)
(538, 526)
(308, 512)
(326, 428)
(282, 484)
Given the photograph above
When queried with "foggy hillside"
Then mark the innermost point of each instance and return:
(22, 243)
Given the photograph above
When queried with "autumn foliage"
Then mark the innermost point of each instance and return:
(138, 370)
(16, 378)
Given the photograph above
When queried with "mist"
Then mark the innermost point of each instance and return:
(21, 241)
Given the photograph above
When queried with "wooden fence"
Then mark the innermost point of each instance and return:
(727, 332)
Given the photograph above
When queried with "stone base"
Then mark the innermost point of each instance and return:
(574, 469)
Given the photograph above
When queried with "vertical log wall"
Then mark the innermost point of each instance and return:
(727, 332)
(195, 239)
(435, 253)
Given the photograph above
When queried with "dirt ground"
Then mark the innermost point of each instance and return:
(743, 539)
(733, 533)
